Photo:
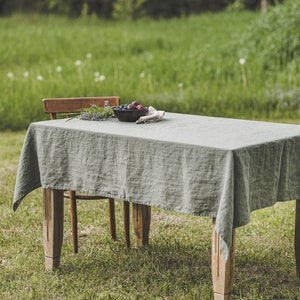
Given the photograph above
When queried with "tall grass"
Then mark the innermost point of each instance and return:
(180, 65)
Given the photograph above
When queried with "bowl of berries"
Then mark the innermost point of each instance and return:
(130, 112)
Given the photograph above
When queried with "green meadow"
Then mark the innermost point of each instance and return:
(208, 64)
(190, 65)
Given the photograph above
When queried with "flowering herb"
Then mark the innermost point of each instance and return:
(96, 113)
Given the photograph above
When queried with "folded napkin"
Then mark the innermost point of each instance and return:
(153, 115)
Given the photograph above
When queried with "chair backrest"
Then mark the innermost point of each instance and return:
(54, 106)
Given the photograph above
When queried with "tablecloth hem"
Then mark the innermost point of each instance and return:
(19, 197)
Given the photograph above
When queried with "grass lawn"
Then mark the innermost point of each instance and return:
(176, 264)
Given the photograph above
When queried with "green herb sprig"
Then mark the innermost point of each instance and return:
(96, 113)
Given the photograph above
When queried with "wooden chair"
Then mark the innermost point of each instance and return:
(55, 106)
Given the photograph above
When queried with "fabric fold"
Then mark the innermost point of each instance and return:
(153, 115)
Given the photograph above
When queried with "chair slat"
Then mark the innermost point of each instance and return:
(68, 105)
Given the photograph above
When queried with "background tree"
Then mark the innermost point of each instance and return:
(263, 5)
(128, 9)
(131, 9)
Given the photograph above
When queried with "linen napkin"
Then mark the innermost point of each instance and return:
(153, 115)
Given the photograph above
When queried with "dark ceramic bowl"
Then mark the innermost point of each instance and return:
(130, 115)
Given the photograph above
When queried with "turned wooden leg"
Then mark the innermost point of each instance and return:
(297, 237)
(222, 272)
(112, 218)
(53, 227)
(127, 223)
(141, 215)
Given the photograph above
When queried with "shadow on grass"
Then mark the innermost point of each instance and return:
(169, 269)
(164, 269)
(269, 274)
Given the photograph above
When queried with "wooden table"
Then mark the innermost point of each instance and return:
(223, 168)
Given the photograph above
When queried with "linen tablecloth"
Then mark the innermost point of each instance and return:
(206, 166)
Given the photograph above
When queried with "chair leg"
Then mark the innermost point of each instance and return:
(73, 210)
(127, 223)
(112, 218)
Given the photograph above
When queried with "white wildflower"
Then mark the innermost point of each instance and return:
(242, 61)
(89, 55)
(142, 75)
(11, 75)
(98, 77)
(39, 78)
(180, 85)
(58, 69)
(26, 74)
(78, 63)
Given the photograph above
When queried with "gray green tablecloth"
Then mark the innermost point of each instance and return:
(223, 168)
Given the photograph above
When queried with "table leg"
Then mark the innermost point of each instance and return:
(53, 227)
(297, 237)
(222, 272)
(141, 215)
(127, 223)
